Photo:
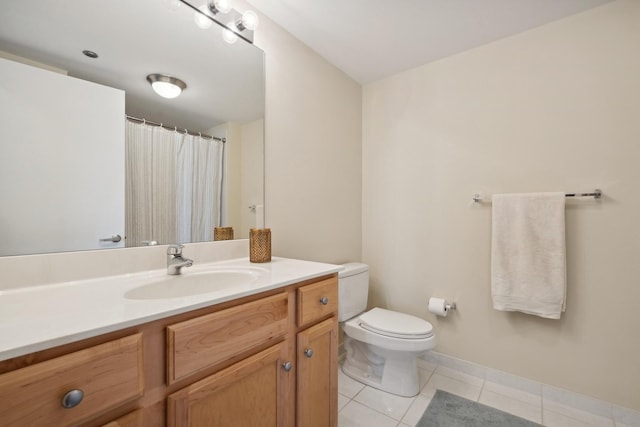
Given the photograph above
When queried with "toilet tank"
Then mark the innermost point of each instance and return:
(353, 290)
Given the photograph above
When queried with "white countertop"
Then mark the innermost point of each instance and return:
(41, 317)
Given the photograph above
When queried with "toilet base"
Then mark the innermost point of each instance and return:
(387, 370)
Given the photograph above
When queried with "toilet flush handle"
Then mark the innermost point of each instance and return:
(324, 300)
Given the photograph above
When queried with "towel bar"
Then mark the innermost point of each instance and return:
(596, 194)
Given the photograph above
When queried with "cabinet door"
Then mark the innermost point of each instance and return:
(317, 380)
(253, 392)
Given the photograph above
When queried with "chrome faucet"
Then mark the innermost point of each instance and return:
(175, 260)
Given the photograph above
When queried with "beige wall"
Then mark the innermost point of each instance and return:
(553, 109)
(313, 152)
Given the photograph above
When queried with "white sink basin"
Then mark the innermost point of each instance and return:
(195, 282)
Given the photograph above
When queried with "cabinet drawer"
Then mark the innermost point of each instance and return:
(108, 374)
(317, 300)
(205, 341)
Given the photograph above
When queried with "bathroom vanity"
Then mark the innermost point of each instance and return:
(262, 353)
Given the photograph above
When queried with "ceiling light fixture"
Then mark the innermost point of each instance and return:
(166, 86)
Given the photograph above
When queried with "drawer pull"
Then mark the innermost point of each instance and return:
(287, 366)
(324, 300)
(308, 352)
(72, 398)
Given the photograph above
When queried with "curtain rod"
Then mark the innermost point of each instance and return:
(175, 128)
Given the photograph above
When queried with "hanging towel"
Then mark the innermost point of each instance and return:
(528, 260)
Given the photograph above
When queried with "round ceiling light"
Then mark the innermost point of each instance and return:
(166, 86)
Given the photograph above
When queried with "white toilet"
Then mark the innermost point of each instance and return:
(382, 346)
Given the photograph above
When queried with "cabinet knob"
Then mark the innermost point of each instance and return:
(324, 300)
(308, 352)
(287, 366)
(72, 398)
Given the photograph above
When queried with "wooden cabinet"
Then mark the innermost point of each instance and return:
(69, 389)
(248, 393)
(262, 360)
(317, 354)
(134, 419)
(317, 381)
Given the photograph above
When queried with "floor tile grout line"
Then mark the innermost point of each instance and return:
(386, 415)
(481, 389)
(541, 407)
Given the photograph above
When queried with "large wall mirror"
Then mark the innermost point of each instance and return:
(83, 162)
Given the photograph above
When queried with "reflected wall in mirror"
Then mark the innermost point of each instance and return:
(75, 175)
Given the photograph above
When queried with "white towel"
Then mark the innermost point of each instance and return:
(528, 259)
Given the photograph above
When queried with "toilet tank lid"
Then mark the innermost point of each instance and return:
(351, 268)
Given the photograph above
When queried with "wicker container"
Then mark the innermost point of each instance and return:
(260, 245)
(223, 233)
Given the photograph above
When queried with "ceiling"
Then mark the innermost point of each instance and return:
(373, 39)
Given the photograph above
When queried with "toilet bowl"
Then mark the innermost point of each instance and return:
(381, 346)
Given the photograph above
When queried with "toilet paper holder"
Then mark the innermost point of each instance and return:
(440, 306)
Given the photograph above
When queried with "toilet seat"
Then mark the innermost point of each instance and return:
(396, 325)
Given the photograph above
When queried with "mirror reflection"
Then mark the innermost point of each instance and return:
(92, 157)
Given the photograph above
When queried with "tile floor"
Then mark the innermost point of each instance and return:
(361, 405)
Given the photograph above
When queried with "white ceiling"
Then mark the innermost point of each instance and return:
(373, 39)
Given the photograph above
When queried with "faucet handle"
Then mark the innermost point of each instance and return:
(175, 249)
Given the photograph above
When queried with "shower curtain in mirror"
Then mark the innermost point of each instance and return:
(173, 185)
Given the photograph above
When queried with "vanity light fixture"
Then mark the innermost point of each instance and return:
(201, 17)
(240, 25)
(207, 11)
(249, 21)
(220, 6)
(229, 33)
(166, 86)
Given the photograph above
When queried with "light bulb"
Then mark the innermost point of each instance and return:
(166, 86)
(228, 34)
(222, 6)
(166, 90)
(202, 17)
(249, 21)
